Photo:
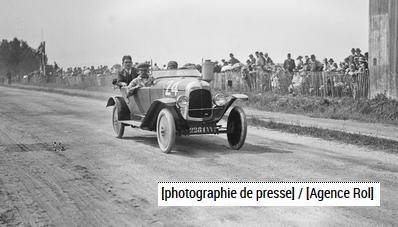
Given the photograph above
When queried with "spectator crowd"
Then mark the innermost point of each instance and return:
(355, 62)
(260, 69)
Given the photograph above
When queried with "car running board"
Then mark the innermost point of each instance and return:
(132, 123)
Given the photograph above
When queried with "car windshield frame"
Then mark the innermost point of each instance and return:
(176, 73)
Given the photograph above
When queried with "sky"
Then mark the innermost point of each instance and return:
(100, 32)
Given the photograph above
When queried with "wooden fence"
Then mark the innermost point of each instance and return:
(334, 84)
(78, 81)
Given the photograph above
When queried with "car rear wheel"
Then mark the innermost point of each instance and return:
(236, 128)
(166, 130)
(118, 127)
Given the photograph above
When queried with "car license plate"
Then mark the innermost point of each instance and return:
(202, 130)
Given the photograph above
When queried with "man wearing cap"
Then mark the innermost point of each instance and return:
(352, 56)
(128, 73)
(252, 59)
(332, 65)
(260, 61)
(358, 53)
(289, 64)
(316, 66)
(267, 59)
(143, 79)
(232, 59)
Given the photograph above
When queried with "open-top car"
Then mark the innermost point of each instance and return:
(179, 102)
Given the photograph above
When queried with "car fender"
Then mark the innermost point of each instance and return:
(149, 121)
(233, 98)
(240, 96)
(123, 109)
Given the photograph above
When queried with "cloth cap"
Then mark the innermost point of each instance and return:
(172, 64)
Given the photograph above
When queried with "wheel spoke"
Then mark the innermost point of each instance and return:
(165, 130)
(118, 128)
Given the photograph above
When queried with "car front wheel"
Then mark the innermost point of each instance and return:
(118, 127)
(236, 128)
(165, 130)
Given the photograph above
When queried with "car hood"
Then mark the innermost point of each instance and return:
(181, 83)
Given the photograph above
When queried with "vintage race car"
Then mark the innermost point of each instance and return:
(179, 103)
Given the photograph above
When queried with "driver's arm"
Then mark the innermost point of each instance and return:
(131, 88)
(135, 83)
(149, 82)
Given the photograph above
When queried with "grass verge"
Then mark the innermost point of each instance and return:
(377, 110)
(386, 145)
(62, 91)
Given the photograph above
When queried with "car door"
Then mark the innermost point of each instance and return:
(142, 99)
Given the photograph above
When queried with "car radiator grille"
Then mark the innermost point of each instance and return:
(200, 103)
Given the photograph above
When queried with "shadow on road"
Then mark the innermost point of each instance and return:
(200, 146)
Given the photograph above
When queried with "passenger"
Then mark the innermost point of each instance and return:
(143, 80)
(128, 72)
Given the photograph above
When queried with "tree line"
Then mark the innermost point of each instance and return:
(17, 57)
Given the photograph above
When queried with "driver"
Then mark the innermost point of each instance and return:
(143, 79)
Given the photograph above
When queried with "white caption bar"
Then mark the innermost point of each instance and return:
(269, 194)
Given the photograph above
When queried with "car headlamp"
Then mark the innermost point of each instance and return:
(220, 99)
(182, 101)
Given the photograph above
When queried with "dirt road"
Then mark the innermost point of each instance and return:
(100, 180)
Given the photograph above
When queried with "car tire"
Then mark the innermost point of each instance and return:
(118, 127)
(236, 128)
(165, 130)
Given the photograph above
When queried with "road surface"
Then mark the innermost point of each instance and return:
(100, 180)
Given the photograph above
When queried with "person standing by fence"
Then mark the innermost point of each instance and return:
(233, 60)
(268, 60)
(316, 71)
(353, 72)
(289, 64)
(300, 63)
(252, 60)
(260, 82)
(260, 62)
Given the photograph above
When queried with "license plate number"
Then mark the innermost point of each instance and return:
(202, 130)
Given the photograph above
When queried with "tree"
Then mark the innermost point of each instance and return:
(17, 57)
